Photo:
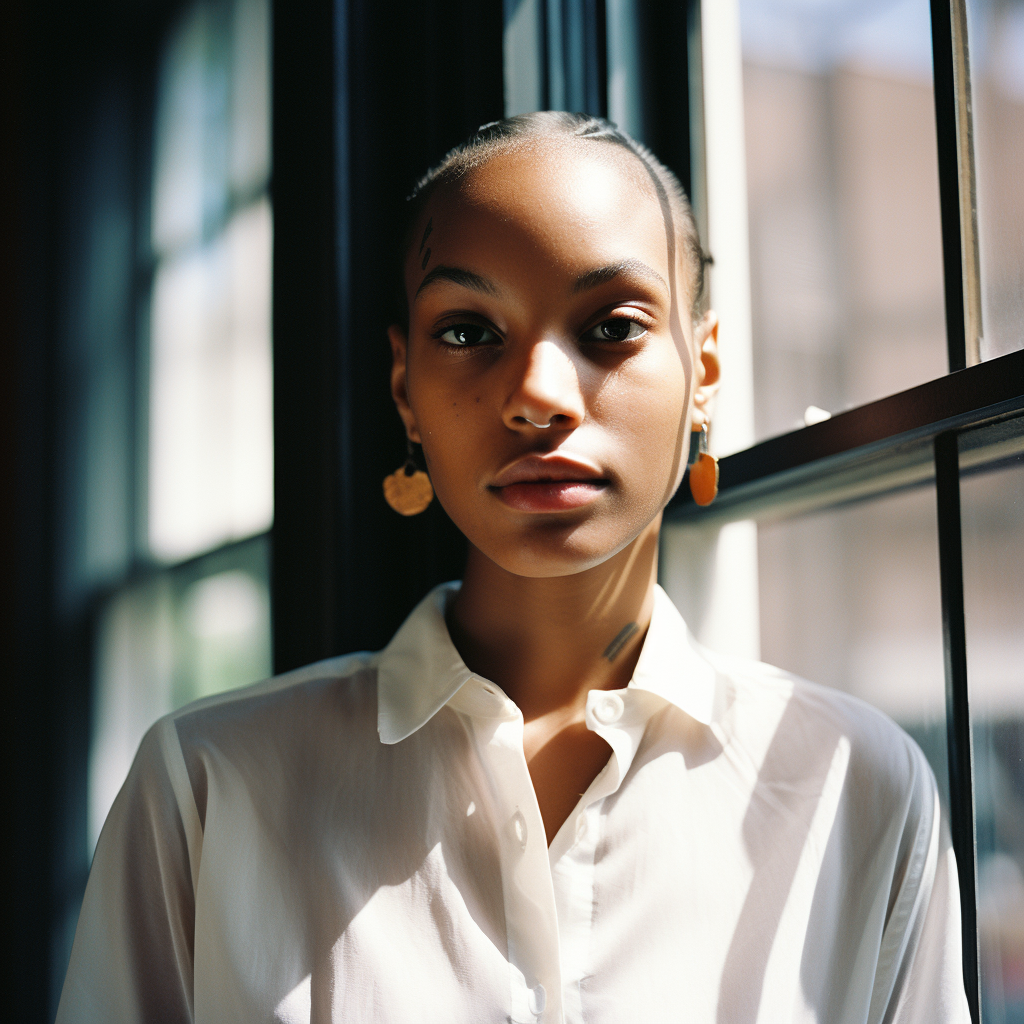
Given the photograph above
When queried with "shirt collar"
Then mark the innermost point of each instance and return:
(420, 670)
(671, 666)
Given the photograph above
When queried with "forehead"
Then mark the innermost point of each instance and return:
(566, 204)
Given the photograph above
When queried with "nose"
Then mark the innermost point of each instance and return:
(546, 391)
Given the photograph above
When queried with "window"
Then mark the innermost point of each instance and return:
(210, 422)
(194, 618)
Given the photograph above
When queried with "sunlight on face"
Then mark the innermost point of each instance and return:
(548, 369)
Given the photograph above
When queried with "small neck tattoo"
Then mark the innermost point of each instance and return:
(612, 651)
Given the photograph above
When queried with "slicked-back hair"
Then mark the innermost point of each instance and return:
(516, 133)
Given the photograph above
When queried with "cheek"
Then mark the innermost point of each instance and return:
(653, 404)
(654, 436)
(450, 434)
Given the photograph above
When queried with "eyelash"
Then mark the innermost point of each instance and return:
(587, 335)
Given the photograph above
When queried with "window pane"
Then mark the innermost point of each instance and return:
(996, 44)
(250, 90)
(189, 121)
(842, 181)
(992, 507)
(185, 633)
(211, 419)
(212, 128)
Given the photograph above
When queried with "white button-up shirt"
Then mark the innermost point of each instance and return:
(360, 840)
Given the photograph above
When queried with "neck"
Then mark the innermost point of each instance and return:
(548, 641)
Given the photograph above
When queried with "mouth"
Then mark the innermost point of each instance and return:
(551, 483)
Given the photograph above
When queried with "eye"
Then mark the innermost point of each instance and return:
(468, 335)
(618, 329)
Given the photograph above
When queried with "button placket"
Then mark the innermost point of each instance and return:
(530, 915)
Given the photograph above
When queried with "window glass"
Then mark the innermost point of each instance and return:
(842, 187)
(210, 411)
(992, 513)
(996, 48)
(181, 634)
(211, 423)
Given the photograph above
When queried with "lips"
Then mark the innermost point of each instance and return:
(548, 483)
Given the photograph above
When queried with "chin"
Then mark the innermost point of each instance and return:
(555, 551)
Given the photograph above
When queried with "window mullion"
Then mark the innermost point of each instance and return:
(957, 198)
(958, 720)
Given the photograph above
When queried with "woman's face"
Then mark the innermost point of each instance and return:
(549, 365)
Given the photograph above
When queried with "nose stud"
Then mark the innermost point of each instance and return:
(539, 426)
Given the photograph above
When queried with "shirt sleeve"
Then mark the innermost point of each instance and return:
(933, 987)
(132, 958)
(920, 977)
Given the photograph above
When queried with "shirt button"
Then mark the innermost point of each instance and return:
(581, 826)
(519, 828)
(609, 708)
(537, 1000)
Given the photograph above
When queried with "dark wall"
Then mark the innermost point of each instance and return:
(24, 499)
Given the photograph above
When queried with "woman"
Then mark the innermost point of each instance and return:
(542, 801)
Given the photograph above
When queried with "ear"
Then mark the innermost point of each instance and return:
(399, 380)
(708, 368)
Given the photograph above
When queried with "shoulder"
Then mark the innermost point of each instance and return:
(340, 691)
(790, 726)
(270, 737)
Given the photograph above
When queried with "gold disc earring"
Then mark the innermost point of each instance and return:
(704, 472)
(408, 490)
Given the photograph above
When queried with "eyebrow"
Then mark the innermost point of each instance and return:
(457, 275)
(602, 275)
